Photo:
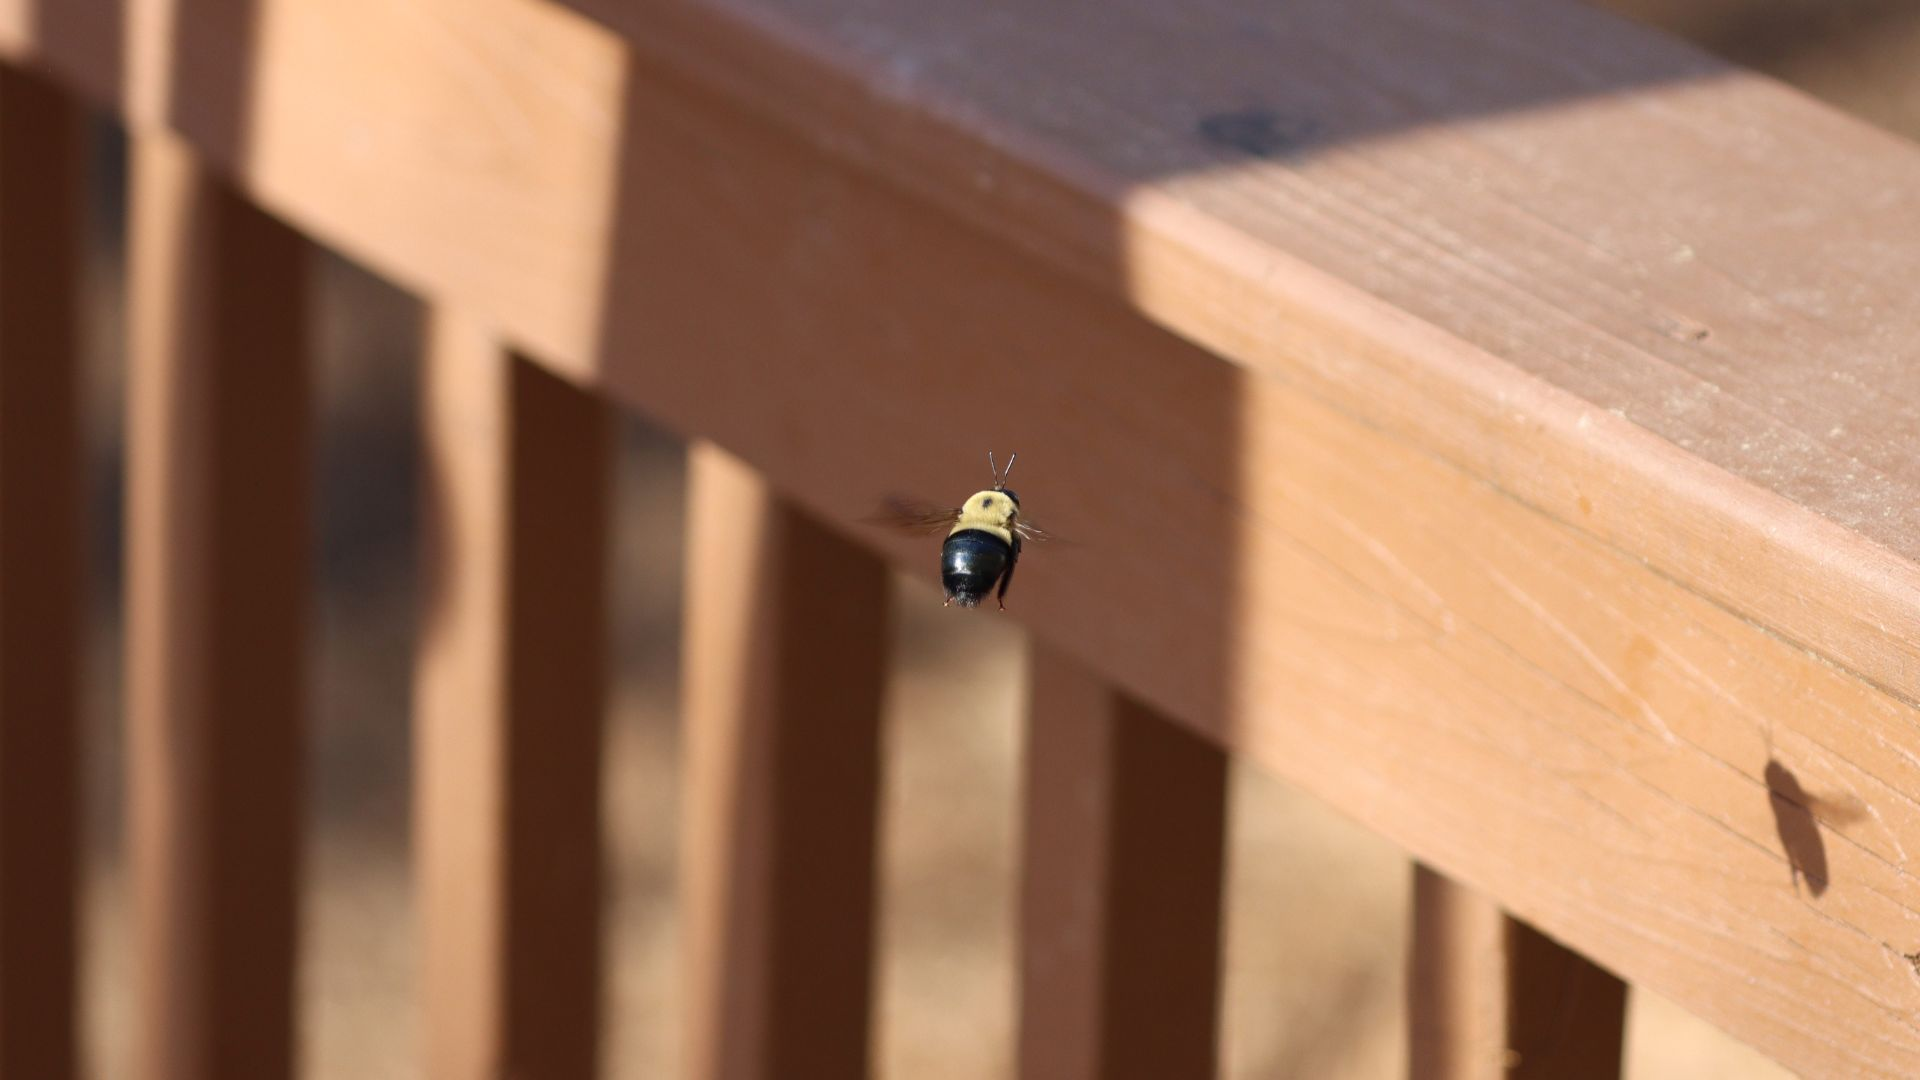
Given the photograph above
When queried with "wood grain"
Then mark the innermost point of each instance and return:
(1310, 192)
(218, 546)
(1120, 886)
(509, 700)
(1489, 996)
(40, 574)
(1518, 456)
(785, 658)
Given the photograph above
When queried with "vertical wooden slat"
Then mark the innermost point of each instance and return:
(218, 568)
(1492, 997)
(509, 702)
(785, 648)
(40, 483)
(1121, 892)
(1457, 986)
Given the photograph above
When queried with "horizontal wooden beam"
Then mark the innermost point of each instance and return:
(1312, 191)
(1540, 504)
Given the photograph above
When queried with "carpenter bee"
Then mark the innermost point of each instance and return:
(984, 535)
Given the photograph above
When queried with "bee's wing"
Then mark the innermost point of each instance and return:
(913, 515)
(1837, 809)
(1030, 530)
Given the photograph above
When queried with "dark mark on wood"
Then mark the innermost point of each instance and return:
(1680, 328)
(1799, 833)
(1261, 132)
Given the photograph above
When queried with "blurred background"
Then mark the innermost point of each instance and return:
(1317, 907)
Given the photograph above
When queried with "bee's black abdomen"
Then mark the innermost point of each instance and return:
(970, 562)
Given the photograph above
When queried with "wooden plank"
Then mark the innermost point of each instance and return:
(1489, 996)
(218, 561)
(1121, 886)
(1457, 991)
(523, 242)
(1309, 191)
(509, 704)
(1410, 547)
(520, 240)
(785, 649)
(40, 574)
(1566, 1016)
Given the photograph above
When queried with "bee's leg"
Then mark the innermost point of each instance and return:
(949, 602)
(1006, 578)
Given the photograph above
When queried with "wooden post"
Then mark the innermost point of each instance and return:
(509, 702)
(785, 647)
(40, 573)
(1120, 909)
(1490, 996)
(218, 564)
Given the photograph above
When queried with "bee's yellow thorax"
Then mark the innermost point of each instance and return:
(988, 511)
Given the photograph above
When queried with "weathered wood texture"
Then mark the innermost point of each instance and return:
(1489, 996)
(509, 703)
(40, 574)
(218, 568)
(1120, 886)
(1310, 191)
(785, 659)
(1487, 415)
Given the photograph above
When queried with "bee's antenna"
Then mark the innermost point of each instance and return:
(1000, 478)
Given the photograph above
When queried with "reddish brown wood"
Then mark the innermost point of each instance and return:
(1539, 442)
(1120, 910)
(785, 647)
(510, 697)
(217, 552)
(1490, 996)
(1567, 1015)
(40, 571)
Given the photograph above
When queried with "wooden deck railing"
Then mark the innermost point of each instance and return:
(1489, 416)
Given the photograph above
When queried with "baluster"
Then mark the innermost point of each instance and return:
(40, 574)
(218, 577)
(785, 647)
(1120, 912)
(1490, 996)
(510, 699)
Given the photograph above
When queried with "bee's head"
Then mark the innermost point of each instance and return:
(1009, 493)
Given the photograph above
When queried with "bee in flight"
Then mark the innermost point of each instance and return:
(984, 535)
